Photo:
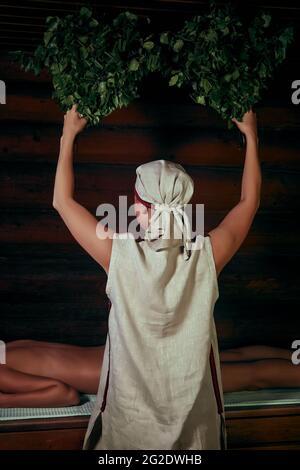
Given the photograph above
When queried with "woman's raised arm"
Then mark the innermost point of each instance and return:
(228, 236)
(85, 228)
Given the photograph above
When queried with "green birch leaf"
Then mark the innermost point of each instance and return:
(173, 80)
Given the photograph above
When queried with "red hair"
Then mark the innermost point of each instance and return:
(141, 201)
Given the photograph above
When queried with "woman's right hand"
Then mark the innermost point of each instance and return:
(248, 124)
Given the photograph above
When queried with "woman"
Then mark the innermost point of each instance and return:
(160, 383)
(41, 374)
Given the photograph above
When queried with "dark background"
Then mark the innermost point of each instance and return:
(50, 288)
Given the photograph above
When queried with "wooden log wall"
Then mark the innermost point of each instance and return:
(50, 288)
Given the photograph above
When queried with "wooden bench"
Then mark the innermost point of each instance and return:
(264, 428)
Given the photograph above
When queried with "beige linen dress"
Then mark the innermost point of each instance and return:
(160, 384)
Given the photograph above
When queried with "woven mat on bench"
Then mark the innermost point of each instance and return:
(233, 401)
(249, 399)
(83, 409)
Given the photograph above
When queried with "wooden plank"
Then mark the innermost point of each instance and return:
(44, 424)
(11, 28)
(73, 439)
(71, 323)
(40, 290)
(30, 186)
(264, 411)
(255, 321)
(189, 146)
(272, 446)
(58, 439)
(265, 430)
(63, 260)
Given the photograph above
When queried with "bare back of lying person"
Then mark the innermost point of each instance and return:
(38, 374)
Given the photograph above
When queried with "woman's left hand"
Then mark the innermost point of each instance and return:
(73, 123)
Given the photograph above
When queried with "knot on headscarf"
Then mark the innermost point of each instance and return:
(168, 188)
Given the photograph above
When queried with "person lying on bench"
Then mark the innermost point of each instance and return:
(43, 374)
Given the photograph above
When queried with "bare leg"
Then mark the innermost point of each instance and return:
(254, 353)
(265, 373)
(21, 389)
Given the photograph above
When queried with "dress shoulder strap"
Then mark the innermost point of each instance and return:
(211, 261)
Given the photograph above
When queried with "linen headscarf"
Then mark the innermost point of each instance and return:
(168, 188)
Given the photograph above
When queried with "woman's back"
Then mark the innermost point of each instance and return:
(161, 329)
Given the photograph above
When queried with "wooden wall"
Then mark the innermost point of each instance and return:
(52, 290)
